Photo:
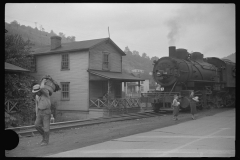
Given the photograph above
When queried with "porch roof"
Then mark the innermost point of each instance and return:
(116, 76)
(13, 68)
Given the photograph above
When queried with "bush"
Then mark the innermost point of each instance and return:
(54, 108)
(9, 120)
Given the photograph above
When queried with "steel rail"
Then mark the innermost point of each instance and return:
(31, 131)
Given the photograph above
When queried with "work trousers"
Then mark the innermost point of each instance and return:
(43, 119)
(175, 110)
(193, 107)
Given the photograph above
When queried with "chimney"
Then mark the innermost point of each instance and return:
(172, 51)
(55, 42)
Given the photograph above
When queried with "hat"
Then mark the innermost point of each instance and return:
(195, 98)
(36, 88)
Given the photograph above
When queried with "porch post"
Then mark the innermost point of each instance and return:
(139, 87)
(108, 92)
(125, 89)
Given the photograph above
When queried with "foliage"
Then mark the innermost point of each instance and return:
(54, 108)
(9, 120)
(18, 86)
(133, 60)
(38, 36)
(17, 51)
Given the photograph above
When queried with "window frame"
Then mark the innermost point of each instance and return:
(63, 61)
(62, 91)
(106, 64)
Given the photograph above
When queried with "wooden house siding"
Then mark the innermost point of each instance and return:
(77, 75)
(96, 57)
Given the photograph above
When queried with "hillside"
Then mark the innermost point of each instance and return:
(37, 36)
(231, 57)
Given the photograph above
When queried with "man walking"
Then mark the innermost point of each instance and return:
(43, 111)
(175, 105)
(193, 103)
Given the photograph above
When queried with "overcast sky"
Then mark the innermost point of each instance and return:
(147, 28)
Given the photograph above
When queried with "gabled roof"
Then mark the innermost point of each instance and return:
(74, 46)
(115, 76)
(11, 67)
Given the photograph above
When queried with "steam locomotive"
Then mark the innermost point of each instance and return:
(212, 80)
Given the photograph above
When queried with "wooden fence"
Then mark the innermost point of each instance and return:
(11, 105)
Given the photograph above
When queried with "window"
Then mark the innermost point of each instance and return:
(65, 62)
(33, 64)
(105, 61)
(141, 82)
(65, 91)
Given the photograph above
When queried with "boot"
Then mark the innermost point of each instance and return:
(41, 131)
(46, 139)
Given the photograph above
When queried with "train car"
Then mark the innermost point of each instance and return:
(212, 80)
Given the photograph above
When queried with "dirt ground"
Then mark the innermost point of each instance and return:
(69, 139)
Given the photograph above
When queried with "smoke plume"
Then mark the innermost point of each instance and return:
(174, 30)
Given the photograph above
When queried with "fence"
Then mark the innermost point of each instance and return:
(115, 103)
(11, 105)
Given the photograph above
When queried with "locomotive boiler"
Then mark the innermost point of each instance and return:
(212, 80)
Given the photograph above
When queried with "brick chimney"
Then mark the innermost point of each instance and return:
(55, 42)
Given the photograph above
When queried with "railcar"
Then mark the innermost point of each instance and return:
(212, 79)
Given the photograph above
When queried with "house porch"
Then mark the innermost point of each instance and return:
(106, 96)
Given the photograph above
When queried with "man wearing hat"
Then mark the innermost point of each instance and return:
(43, 111)
(175, 105)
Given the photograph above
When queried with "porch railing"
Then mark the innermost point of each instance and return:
(11, 105)
(115, 103)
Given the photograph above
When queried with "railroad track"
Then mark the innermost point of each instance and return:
(31, 131)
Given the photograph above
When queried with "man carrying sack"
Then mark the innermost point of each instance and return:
(193, 104)
(43, 111)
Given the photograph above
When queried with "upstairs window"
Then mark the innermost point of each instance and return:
(105, 65)
(33, 64)
(65, 62)
(65, 91)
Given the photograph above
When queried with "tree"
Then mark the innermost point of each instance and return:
(127, 51)
(136, 53)
(144, 55)
(17, 52)
(71, 38)
(15, 23)
(154, 58)
(62, 35)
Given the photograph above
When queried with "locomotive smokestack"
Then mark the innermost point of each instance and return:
(172, 51)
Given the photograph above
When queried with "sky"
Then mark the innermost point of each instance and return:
(148, 28)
